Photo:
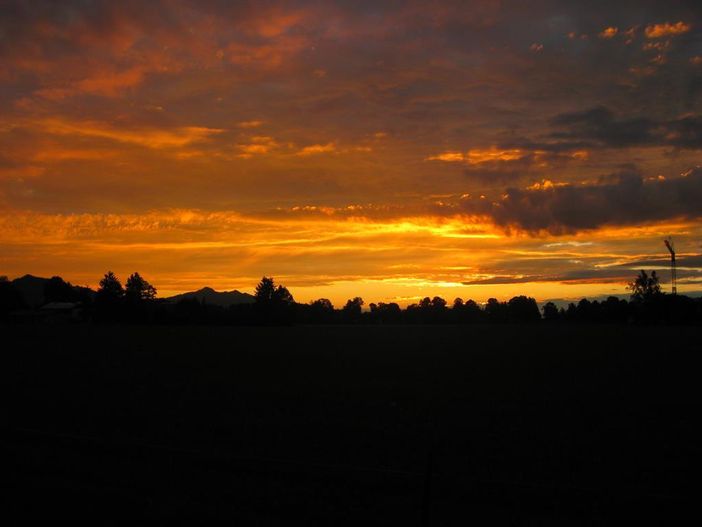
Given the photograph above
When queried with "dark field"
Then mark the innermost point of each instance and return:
(352, 425)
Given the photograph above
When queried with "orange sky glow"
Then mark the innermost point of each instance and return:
(390, 151)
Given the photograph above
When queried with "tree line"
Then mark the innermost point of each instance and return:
(136, 302)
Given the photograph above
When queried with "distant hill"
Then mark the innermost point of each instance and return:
(31, 289)
(216, 298)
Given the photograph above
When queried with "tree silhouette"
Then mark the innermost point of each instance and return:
(384, 313)
(110, 289)
(614, 310)
(523, 309)
(139, 290)
(352, 310)
(320, 310)
(108, 299)
(264, 290)
(282, 296)
(645, 287)
(471, 312)
(495, 310)
(550, 312)
(322, 304)
(438, 303)
(267, 293)
(274, 303)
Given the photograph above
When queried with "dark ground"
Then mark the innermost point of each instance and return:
(421, 425)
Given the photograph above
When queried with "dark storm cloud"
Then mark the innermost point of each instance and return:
(599, 124)
(602, 127)
(525, 164)
(627, 199)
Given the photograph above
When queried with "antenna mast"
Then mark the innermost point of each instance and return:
(673, 271)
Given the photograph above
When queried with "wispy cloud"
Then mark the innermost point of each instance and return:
(147, 137)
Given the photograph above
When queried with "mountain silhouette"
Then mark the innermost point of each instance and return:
(208, 295)
(32, 291)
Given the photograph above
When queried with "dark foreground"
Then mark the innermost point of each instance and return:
(351, 425)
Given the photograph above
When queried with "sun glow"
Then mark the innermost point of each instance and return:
(382, 259)
(350, 149)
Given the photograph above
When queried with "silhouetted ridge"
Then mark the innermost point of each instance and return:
(209, 296)
(34, 299)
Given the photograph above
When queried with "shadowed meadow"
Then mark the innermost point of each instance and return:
(414, 425)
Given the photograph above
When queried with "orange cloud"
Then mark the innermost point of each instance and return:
(64, 154)
(546, 184)
(449, 157)
(111, 83)
(250, 124)
(22, 172)
(660, 45)
(265, 55)
(316, 149)
(107, 83)
(147, 137)
(478, 156)
(667, 29)
(259, 145)
(275, 24)
(609, 32)
(475, 157)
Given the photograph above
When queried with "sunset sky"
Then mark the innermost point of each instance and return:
(392, 150)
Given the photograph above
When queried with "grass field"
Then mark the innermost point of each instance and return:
(421, 425)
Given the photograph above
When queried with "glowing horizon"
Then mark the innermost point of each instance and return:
(388, 151)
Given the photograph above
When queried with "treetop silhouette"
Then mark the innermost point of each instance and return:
(139, 290)
(645, 287)
(268, 293)
(274, 304)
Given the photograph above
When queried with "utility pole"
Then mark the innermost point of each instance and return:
(673, 271)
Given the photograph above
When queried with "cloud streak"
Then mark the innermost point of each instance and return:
(147, 137)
